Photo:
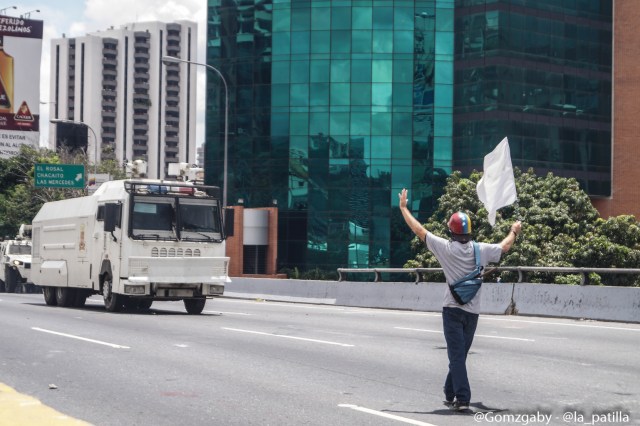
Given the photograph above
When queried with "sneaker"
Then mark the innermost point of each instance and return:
(448, 404)
(460, 406)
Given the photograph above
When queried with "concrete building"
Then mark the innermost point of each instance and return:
(334, 107)
(115, 83)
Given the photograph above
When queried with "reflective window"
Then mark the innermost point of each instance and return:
(382, 71)
(300, 42)
(361, 41)
(362, 18)
(300, 19)
(383, 18)
(382, 41)
(340, 71)
(340, 94)
(320, 41)
(361, 71)
(341, 18)
(320, 70)
(341, 41)
(300, 71)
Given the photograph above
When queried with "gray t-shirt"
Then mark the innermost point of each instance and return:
(457, 260)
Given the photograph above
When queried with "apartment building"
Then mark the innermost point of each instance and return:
(113, 97)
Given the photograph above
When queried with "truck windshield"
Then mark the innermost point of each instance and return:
(153, 218)
(19, 249)
(199, 220)
(169, 218)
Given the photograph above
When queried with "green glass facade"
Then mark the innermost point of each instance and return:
(334, 106)
(539, 72)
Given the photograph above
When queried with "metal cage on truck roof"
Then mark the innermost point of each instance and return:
(171, 188)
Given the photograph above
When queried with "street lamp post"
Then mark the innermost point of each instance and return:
(168, 59)
(95, 138)
(2, 11)
(27, 15)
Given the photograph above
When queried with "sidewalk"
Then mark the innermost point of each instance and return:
(17, 409)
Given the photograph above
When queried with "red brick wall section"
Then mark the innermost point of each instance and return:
(625, 197)
(234, 247)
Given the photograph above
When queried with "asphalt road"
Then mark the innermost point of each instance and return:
(247, 362)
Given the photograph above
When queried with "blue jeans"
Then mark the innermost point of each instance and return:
(459, 327)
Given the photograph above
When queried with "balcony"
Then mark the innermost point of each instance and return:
(140, 98)
(107, 71)
(141, 86)
(172, 139)
(108, 134)
(109, 51)
(141, 44)
(109, 104)
(141, 116)
(141, 127)
(141, 66)
(173, 49)
(173, 98)
(140, 139)
(110, 61)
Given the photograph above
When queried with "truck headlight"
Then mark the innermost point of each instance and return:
(17, 263)
(134, 289)
(216, 289)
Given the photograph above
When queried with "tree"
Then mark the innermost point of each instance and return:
(560, 228)
(20, 200)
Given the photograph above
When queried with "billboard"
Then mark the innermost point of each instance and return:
(20, 54)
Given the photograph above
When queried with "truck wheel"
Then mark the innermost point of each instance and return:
(112, 302)
(49, 295)
(65, 296)
(194, 306)
(11, 279)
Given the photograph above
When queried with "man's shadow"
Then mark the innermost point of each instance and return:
(474, 407)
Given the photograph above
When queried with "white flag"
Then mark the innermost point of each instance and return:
(497, 188)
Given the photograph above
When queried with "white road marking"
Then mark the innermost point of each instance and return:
(227, 313)
(604, 327)
(292, 304)
(113, 345)
(181, 345)
(477, 335)
(385, 415)
(288, 337)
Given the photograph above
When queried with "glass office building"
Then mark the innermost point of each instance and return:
(335, 106)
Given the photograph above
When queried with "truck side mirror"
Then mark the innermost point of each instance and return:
(111, 216)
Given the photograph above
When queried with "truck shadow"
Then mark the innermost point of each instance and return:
(126, 311)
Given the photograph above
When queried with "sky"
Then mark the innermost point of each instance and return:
(75, 18)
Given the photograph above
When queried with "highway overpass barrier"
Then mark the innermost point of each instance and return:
(553, 300)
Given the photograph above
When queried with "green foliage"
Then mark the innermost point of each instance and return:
(561, 228)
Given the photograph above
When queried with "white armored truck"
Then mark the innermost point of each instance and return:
(133, 241)
(15, 267)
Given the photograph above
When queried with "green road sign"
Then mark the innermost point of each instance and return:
(59, 176)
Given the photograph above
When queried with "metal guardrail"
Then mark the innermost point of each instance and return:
(521, 270)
